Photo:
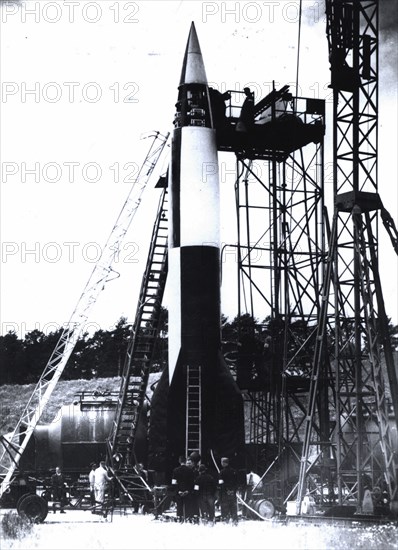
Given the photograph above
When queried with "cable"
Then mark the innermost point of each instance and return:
(298, 48)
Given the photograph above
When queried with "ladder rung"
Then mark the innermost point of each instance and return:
(138, 356)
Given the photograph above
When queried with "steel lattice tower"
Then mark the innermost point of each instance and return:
(325, 410)
(281, 255)
(359, 309)
(363, 448)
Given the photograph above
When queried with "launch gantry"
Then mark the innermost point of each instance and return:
(282, 231)
(320, 411)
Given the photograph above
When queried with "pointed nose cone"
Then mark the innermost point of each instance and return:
(193, 69)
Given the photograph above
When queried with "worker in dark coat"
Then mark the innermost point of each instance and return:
(246, 118)
(192, 504)
(218, 108)
(58, 487)
(140, 470)
(183, 478)
(206, 488)
(228, 484)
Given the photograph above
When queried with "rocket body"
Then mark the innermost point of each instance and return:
(194, 236)
(194, 277)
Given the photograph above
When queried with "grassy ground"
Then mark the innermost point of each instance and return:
(77, 530)
(14, 398)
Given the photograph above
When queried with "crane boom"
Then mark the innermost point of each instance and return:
(16, 442)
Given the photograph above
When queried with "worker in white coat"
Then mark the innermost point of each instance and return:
(91, 479)
(101, 479)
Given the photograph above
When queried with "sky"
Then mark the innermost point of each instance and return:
(82, 82)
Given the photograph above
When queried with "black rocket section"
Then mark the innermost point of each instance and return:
(222, 410)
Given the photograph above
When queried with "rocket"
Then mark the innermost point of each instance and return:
(204, 405)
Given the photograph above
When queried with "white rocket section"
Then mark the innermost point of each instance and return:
(199, 188)
(174, 291)
(195, 73)
(193, 69)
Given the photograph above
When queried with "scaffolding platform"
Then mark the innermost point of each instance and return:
(282, 124)
(272, 140)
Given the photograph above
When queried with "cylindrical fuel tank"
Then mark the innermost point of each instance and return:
(75, 438)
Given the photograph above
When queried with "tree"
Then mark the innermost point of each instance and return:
(393, 335)
(392, 331)
(104, 353)
(38, 349)
(13, 365)
(160, 352)
(77, 367)
(119, 343)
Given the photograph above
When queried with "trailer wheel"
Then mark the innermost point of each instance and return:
(21, 499)
(34, 507)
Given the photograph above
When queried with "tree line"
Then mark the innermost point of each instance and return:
(99, 355)
(103, 353)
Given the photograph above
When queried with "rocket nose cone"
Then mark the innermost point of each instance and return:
(193, 69)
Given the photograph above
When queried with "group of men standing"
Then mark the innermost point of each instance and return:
(98, 479)
(196, 491)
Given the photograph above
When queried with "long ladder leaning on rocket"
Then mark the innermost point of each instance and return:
(138, 361)
(16, 442)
